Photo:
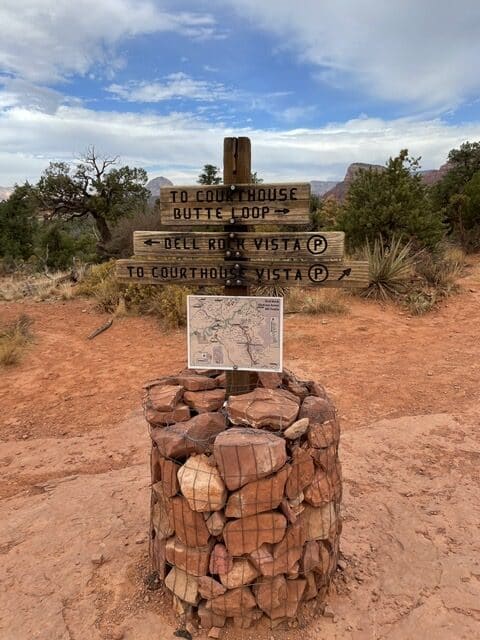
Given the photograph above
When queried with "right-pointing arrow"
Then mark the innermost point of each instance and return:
(345, 273)
(284, 211)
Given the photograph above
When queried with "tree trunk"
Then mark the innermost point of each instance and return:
(103, 230)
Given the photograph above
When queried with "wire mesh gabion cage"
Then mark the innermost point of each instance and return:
(245, 504)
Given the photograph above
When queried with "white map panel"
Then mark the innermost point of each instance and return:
(244, 333)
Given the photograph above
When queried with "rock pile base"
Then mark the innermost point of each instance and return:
(245, 495)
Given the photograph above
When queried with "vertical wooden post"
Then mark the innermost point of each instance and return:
(237, 169)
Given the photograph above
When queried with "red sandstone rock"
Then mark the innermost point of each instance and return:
(311, 590)
(324, 488)
(270, 380)
(162, 513)
(221, 561)
(285, 554)
(196, 383)
(204, 401)
(260, 495)
(208, 619)
(193, 560)
(301, 474)
(317, 410)
(157, 550)
(164, 397)
(155, 462)
(210, 588)
(288, 511)
(193, 436)
(270, 593)
(288, 609)
(169, 470)
(202, 485)
(221, 380)
(235, 602)
(215, 523)
(245, 455)
(247, 534)
(324, 435)
(189, 525)
(316, 389)
(179, 414)
(242, 573)
(183, 585)
(325, 458)
(319, 521)
(271, 408)
(297, 429)
(262, 556)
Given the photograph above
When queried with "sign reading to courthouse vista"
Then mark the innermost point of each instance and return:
(334, 274)
(243, 204)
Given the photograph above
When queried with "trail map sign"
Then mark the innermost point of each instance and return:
(231, 332)
(236, 257)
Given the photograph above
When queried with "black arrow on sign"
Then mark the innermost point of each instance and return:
(150, 241)
(345, 273)
(284, 211)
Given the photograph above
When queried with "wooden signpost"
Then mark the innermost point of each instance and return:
(237, 257)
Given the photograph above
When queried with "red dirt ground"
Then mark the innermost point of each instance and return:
(67, 409)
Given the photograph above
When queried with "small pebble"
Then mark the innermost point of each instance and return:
(98, 559)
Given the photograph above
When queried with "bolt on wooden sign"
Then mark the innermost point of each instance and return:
(235, 257)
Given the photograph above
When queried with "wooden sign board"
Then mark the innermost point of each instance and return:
(246, 204)
(336, 274)
(305, 246)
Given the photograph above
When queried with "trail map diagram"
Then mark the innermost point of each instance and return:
(235, 332)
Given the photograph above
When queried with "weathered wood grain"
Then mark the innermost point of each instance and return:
(348, 275)
(246, 204)
(305, 246)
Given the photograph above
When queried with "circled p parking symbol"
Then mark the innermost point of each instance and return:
(317, 244)
(318, 273)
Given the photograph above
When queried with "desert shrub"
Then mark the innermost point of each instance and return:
(168, 303)
(14, 339)
(390, 268)
(313, 302)
(58, 246)
(440, 269)
(421, 301)
(270, 290)
(121, 244)
(390, 204)
(18, 225)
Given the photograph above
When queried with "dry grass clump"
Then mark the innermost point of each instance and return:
(40, 286)
(14, 339)
(311, 302)
(168, 303)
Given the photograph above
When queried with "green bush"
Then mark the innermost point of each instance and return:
(18, 225)
(389, 204)
(58, 245)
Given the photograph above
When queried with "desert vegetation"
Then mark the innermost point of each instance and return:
(59, 237)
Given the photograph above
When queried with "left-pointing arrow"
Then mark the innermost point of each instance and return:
(150, 241)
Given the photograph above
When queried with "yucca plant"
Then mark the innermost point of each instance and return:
(390, 268)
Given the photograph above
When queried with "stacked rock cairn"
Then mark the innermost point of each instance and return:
(246, 496)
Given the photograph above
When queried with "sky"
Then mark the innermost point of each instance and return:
(315, 84)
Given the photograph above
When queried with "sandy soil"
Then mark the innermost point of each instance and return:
(74, 473)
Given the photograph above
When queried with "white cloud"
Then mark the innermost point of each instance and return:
(418, 52)
(178, 145)
(175, 86)
(48, 40)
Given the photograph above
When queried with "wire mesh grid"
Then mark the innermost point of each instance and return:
(246, 492)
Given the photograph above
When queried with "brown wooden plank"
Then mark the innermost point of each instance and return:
(245, 204)
(349, 274)
(306, 246)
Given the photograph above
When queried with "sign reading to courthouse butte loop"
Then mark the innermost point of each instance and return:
(202, 272)
(237, 204)
(303, 246)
